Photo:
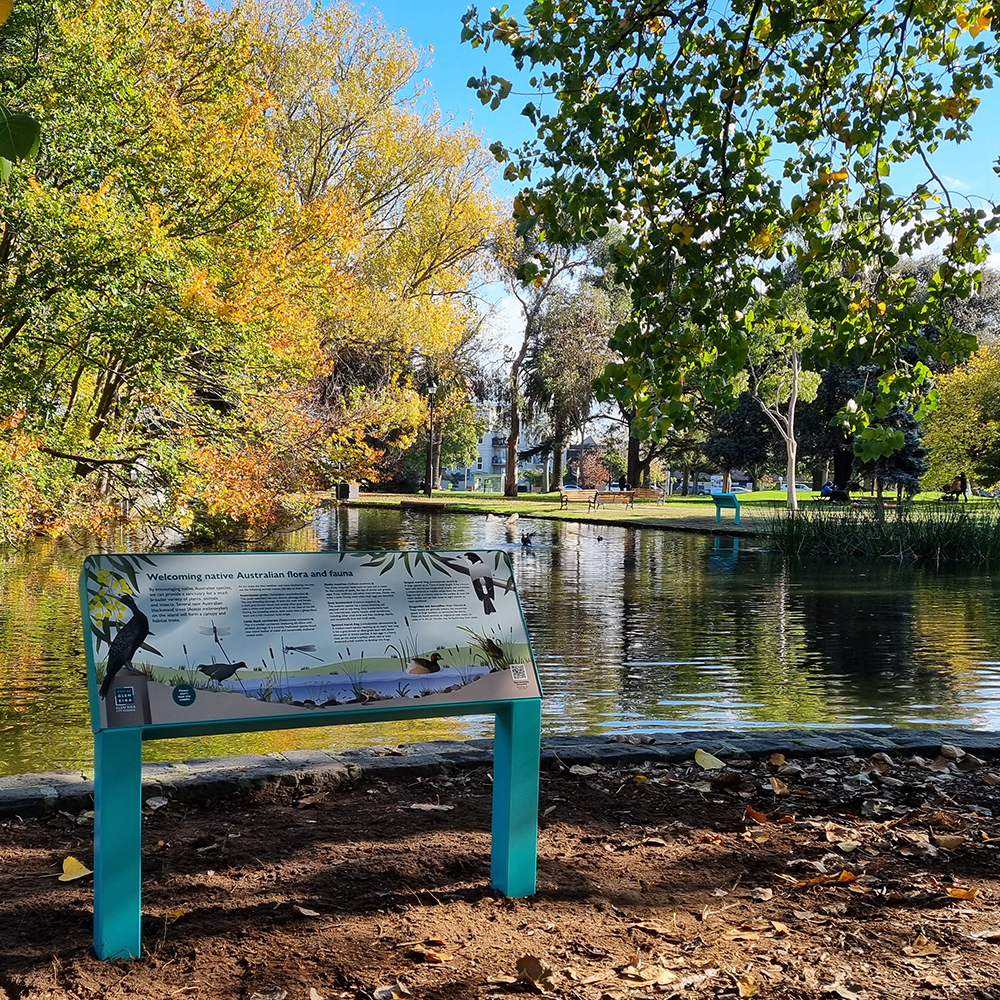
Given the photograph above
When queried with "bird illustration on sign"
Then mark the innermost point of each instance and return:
(131, 635)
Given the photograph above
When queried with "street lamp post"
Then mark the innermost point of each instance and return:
(431, 397)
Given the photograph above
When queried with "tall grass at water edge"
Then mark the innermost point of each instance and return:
(957, 533)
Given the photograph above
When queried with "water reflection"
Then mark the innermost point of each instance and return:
(633, 629)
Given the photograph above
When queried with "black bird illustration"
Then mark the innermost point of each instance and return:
(422, 665)
(221, 671)
(123, 647)
(482, 582)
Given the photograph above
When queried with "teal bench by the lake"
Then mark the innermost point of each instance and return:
(726, 500)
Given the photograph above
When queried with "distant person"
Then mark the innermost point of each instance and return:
(622, 482)
(827, 489)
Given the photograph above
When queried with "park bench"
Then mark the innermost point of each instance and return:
(566, 497)
(602, 497)
(309, 619)
(727, 500)
(648, 493)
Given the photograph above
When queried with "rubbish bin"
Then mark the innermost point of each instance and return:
(343, 491)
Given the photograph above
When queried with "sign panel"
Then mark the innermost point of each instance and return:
(178, 638)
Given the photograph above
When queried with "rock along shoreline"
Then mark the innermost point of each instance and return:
(73, 791)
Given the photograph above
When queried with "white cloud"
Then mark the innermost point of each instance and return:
(955, 184)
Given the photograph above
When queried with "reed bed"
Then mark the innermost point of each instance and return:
(957, 533)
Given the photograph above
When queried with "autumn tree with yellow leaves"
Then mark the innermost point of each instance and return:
(241, 242)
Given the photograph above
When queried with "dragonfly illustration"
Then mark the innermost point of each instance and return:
(308, 650)
(217, 635)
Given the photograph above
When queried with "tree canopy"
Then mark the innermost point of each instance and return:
(728, 140)
(240, 245)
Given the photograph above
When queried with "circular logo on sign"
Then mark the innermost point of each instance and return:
(184, 695)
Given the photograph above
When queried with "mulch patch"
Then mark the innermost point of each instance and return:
(814, 878)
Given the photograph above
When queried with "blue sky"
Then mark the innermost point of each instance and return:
(967, 168)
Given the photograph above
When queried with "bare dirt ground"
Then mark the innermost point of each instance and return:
(811, 878)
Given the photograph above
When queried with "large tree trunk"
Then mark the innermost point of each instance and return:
(632, 470)
(510, 480)
(791, 454)
(843, 464)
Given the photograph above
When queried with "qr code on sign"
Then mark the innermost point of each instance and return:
(519, 672)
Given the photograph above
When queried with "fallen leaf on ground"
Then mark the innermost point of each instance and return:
(273, 994)
(779, 787)
(430, 956)
(157, 802)
(397, 991)
(950, 842)
(748, 985)
(304, 912)
(431, 807)
(656, 927)
(583, 770)
(535, 970)
(640, 974)
(73, 869)
(739, 934)
(761, 895)
(777, 759)
(921, 947)
(752, 815)
(963, 892)
(707, 761)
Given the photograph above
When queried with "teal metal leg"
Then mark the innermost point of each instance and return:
(117, 843)
(517, 745)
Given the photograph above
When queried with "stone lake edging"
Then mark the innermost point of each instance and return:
(72, 792)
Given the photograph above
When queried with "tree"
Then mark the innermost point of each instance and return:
(239, 247)
(907, 465)
(670, 119)
(741, 438)
(569, 353)
(777, 380)
(533, 297)
(963, 433)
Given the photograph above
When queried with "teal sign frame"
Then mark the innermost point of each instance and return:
(231, 603)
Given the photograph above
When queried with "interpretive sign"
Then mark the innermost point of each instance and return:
(179, 645)
(181, 639)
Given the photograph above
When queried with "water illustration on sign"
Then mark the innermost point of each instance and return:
(241, 635)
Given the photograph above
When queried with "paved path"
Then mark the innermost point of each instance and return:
(41, 794)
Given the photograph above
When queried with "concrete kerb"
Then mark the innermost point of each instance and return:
(72, 792)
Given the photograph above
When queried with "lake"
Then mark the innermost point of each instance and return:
(633, 630)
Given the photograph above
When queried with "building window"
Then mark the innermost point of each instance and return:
(479, 462)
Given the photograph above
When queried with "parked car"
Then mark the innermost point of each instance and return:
(741, 489)
(570, 486)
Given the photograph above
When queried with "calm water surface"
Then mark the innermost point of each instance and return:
(633, 630)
